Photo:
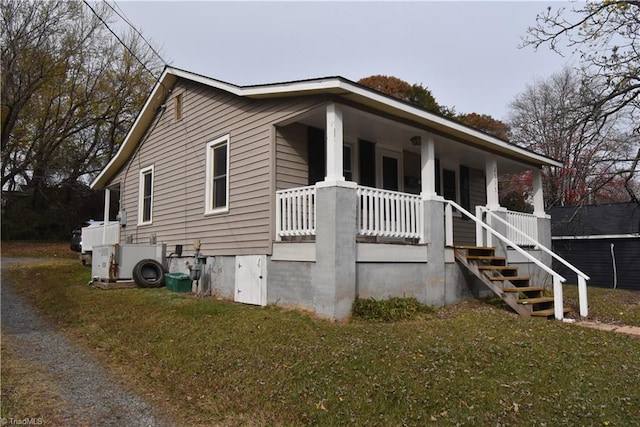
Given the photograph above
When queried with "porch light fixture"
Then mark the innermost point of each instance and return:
(416, 140)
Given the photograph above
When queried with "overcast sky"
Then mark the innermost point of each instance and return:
(466, 53)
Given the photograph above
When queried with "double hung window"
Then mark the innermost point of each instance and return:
(145, 196)
(217, 176)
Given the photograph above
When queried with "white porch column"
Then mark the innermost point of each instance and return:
(107, 204)
(334, 144)
(491, 173)
(428, 169)
(538, 194)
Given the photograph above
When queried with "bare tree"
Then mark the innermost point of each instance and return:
(70, 91)
(548, 117)
(605, 37)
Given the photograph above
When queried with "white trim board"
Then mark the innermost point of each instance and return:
(597, 236)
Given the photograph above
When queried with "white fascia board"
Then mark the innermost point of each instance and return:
(267, 90)
(236, 90)
(339, 85)
(326, 85)
(597, 236)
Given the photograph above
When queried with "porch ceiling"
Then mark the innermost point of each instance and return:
(393, 135)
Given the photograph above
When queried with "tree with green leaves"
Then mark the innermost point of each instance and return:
(70, 92)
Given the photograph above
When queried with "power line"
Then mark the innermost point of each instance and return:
(120, 41)
(124, 18)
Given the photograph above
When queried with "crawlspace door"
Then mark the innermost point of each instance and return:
(251, 279)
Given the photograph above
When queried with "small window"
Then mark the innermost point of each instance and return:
(145, 196)
(177, 105)
(347, 162)
(217, 176)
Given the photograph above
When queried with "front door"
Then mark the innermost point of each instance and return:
(391, 170)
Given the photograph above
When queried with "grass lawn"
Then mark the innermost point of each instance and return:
(212, 362)
(37, 250)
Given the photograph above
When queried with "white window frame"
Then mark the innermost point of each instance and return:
(350, 167)
(208, 197)
(149, 170)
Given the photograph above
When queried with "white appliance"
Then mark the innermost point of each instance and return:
(116, 262)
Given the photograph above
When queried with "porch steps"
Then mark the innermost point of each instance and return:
(516, 291)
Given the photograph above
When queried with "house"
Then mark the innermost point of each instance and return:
(602, 240)
(312, 193)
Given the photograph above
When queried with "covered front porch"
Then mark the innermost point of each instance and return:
(394, 168)
(380, 204)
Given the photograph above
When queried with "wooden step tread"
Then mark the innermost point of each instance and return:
(487, 248)
(509, 278)
(497, 267)
(524, 289)
(487, 258)
(539, 300)
(548, 312)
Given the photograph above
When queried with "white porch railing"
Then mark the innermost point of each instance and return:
(523, 228)
(383, 213)
(100, 234)
(296, 212)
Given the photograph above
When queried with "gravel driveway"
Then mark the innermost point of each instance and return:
(93, 396)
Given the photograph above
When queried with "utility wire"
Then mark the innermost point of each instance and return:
(120, 40)
(124, 18)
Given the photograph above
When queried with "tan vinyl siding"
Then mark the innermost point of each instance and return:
(291, 156)
(177, 152)
(464, 231)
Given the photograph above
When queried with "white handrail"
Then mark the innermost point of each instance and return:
(557, 278)
(582, 278)
(534, 242)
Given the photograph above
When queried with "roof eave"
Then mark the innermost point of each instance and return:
(451, 127)
(332, 85)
